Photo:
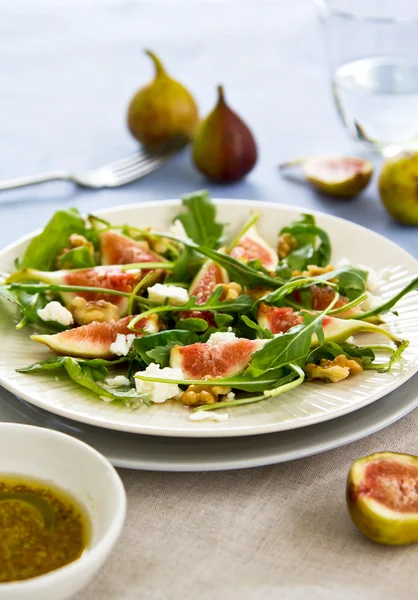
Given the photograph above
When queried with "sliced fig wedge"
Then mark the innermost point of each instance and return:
(382, 497)
(95, 340)
(107, 277)
(118, 249)
(251, 246)
(208, 277)
(339, 176)
(223, 359)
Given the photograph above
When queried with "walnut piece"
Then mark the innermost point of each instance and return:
(286, 244)
(314, 271)
(333, 371)
(230, 291)
(96, 310)
(197, 395)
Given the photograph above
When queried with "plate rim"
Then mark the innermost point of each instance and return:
(204, 432)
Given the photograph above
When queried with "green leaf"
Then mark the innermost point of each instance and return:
(242, 304)
(56, 362)
(193, 324)
(199, 220)
(291, 347)
(163, 341)
(77, 258)
(222, 320)
(261, 332)
(43, 249)
(313, 244)
(386, 306)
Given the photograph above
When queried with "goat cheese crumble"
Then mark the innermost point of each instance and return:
(117, 381)
(122, 344)
(221, 336)
(210, 415)
(177, 296)
(159, 392)
(54, 311)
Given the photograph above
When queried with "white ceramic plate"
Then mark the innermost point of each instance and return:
(306, 405)
(158, 453)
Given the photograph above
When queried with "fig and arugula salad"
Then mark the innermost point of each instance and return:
(193, 315)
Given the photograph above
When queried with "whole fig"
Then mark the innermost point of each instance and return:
(398, 187)
(162, 110)
(224, 148)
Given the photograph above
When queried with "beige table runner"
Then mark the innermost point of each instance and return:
(275, 532)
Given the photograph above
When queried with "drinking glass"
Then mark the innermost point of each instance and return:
(373, 56)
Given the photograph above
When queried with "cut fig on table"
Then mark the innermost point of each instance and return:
(382, 497)
(339, 176)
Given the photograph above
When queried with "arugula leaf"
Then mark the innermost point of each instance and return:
(29, 304)
(386, 306)
(199, 220)
(222, 320)
(242, 304)
(77, 258)
(331, 350)
(43, 249)
(56, 362)
(163, 341)
(193, 324)
(291, 347)
(261, 332)
(313, 244)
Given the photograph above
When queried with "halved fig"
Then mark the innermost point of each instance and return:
(252, 246)
(107, 277)
(223, 359)
(382, 497)
(338, 176)
(118, 249)
(94, 340)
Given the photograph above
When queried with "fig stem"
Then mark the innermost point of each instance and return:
(221, 95)
(297, 162)
(159, 69)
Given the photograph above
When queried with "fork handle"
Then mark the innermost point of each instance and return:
(11, 184)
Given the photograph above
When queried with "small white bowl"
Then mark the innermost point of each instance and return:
(84, 473)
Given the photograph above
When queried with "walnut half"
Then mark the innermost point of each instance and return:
(333, 371)
(96, 310)
(197, 395)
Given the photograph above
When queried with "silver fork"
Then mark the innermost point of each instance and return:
(112, 175)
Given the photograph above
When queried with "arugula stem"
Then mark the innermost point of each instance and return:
(55, 287)
(249, 223)
(288, 386)
(386, 306)
(349, 305)
(145, 281)
(149, 265)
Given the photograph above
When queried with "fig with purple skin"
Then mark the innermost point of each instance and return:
(224, 148)
(382, 497)
(223, 359)
(107, 277)
(251, 246)
(95, 340)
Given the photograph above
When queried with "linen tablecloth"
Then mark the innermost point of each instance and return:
(68, 70)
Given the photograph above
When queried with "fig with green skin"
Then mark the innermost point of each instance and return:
(280, 320)
(398, 187)
(224, 148)
(252, 247)
(95, 339)
(162, 110)
(382, 497)
(338, 176)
